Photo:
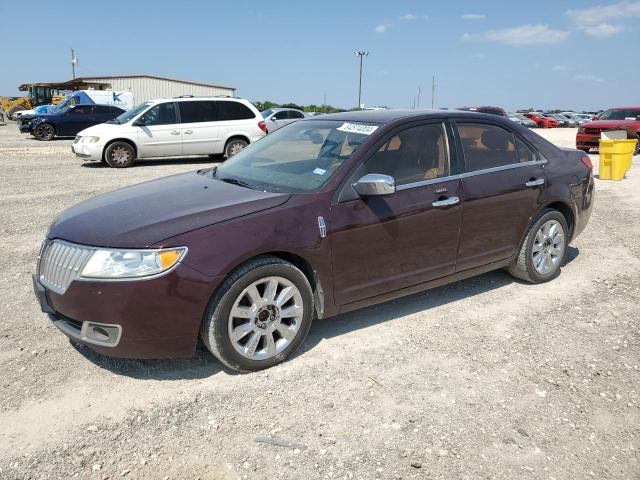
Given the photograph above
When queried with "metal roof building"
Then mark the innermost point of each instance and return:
(146, 87)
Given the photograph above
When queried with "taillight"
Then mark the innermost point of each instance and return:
(587, 162)
(263, 126)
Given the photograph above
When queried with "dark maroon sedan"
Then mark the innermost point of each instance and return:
(323, 216)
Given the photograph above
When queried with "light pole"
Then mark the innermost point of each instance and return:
(74, 60)
(360, 53)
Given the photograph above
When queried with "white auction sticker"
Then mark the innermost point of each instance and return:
(357, 128)
(319, 171)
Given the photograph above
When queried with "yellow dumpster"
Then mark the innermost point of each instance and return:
(615, 158)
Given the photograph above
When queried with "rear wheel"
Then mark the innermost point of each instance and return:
(585, 150)
(120, 155)
(45, 132)
(543, 250)
(260, 315)
(234, 146)
(541, 124)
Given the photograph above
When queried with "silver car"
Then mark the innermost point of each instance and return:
(276, 118)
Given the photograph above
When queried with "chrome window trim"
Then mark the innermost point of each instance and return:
(501, 168)
(423, 183)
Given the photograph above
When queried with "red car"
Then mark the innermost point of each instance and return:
(542, 121)
(589, 133)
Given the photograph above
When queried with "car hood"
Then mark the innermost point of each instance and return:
(612, 124)
(145, 214)
(101, 129)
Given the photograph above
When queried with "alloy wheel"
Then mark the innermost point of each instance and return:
(236, 147)
(548, 247)
(265, 318)
(120, 155)
(46, 132)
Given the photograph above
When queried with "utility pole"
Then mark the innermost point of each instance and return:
(74, 60)
(360, 53)
(433, 91)
(324, 99)
(418, 103)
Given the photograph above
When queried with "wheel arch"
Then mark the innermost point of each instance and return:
(235, 136)
(124, 140)
(566, 211)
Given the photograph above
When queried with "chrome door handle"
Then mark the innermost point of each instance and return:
(188, 132)
(446, 202)
(175, 132)
(534, 182)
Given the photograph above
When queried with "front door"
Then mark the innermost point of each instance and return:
(158, 132)
(385, 243)
(503, 186)
(76, 119)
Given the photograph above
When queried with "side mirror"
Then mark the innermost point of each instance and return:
(273, 119)
(375, 184)
(139, 123)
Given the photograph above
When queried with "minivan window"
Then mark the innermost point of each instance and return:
(412, 155)
(486, 146)
(131, 114)
(198, 111)
(162, 114)
(231, 110)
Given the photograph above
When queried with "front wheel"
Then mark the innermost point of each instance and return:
(543, 250)
(120, 155)
(234, 146)
(541, 124)
(260, 315)
(44, 132)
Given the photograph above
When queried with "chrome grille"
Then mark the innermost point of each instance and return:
(60, 263)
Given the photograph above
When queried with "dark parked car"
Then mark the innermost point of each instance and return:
(68, 121)
(486, 109)
(321, 217)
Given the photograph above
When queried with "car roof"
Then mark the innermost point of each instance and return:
(195, 99)
(279, 109)
(383, 117)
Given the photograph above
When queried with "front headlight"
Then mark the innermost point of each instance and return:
(90, 139)
(581, 129)
(121, 264)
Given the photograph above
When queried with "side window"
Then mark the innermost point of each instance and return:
(525, 153)
(162, 114)
(101, 109)
(413, 155)
(231, 110)
(81, 110)
(197, 112)
(283, 115)
(294, 114)
(486, 146)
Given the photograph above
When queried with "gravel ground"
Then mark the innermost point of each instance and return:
(485, 378)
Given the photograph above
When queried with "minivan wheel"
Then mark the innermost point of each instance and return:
(45, 132)
(234, 146)
(543, 249)
(120, 155)
(260, 315)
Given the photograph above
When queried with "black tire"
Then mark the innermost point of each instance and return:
(120, 155)
(523, 267)
(585, 150)
(637, 149)
(44, 132)
(215, 326)
(234, 146)
(540, 124)
(13, 110)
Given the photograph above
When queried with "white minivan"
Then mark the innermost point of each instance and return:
(173, 127)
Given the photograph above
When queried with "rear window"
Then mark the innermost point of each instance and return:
(198, 111)
(487, 146)
(234, 111)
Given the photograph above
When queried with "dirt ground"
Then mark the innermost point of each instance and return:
(487, 378)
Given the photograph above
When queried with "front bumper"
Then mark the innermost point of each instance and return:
(88, 151)
(587, 140)
(25, 128)
(154, 318)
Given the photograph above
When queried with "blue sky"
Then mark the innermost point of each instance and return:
(544, 54)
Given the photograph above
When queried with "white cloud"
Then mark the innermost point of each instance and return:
(594, 20)
(383, 27)
(587, 77)
(602, 30)
(561, 68)
(413, 16)
(473, 16)
(479, 56)
(523, 35)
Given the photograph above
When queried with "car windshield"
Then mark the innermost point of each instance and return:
(131, 114)
(620, 114)
(266, 113)
(298, 158)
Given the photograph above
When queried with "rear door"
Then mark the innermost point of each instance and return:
(158, 132)
(200, 126)
(278, 120)
(381, 244)
(503, 186)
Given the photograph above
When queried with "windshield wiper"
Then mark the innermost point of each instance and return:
(235, 181)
